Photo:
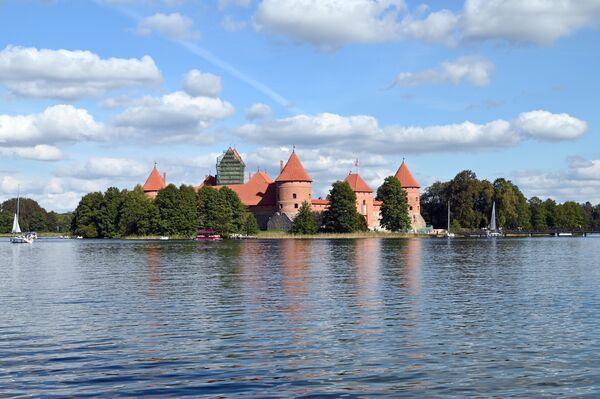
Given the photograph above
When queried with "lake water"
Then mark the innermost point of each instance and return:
(293, 318)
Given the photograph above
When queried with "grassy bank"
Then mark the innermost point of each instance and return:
(281, 234)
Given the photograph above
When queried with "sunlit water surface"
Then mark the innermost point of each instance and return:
(300, 318)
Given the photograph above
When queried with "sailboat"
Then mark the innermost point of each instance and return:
(448, 233)
(17, 235)
(493, 230)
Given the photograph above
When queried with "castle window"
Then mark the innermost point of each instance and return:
(294, 195)
(280, 206)
(295, 205)
(364, 202)
(410, 207)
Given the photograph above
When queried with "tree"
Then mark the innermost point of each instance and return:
(138, 214)
(513, 210)
(539, 214)
(341, 216)
(434, 204)
(214, 211)
(394, 211)
(238, 209)
(87, 219)
(177, 209)
(113, 200)
(304, 222)
(250, 225)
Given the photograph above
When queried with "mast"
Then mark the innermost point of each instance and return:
(448, 216)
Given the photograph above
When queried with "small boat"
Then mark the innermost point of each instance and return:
(163, 238)
(207, 235)
(17, 236)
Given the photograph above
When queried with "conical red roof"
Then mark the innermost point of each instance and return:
(405, 177)
(155, 181)
(293, 170)
(358, 184)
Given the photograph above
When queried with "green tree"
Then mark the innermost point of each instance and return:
(6, 220)
(177, 209)
(394, 211)
(571, 216)
(341, 216)
(238, 209)
(304, 222)
(214, 211)
(88, 216)
(113, 200)
(539, 214)
(434, 203)
(251, 225)
(511, 204)
(138, 214)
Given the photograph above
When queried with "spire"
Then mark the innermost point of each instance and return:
(293, 170)
(357, 184)
(405, 177)
(155, 181)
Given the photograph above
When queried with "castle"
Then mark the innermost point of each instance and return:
(275, 203)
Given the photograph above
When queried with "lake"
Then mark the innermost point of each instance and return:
(301, 318)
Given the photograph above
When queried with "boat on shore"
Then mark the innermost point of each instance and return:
(207, 235)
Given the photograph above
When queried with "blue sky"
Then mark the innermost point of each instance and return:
(93, 92)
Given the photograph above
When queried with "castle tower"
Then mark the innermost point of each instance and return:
(294, 186)
(364, 198)
(413, 195)
(230, 168)
(154, 183)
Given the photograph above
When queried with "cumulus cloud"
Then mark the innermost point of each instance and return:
(174, 26)
(100, 167)
(362, 131)
(41, 152)
(539, 22)
(172, 116)
(544, 125)
(580, 181)
(329, 24)
(59, 123)
(197, 83)
(68, 75)
(475, 70)
(258, 111)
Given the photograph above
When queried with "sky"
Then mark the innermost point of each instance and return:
(93, 93)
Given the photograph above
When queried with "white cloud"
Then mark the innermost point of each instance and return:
(197, 83)
(58, 123)
(533, 21)
(100, 167)
(330, 23)
(65, 74)
(40, 152)
(258, 111)
(232, 25)
(544, 125)
(579, 182)
(475, 70)
(174, 26)
(171, 117)
(364, 132)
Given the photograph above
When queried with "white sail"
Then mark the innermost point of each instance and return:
(16, 228)
(493, 222)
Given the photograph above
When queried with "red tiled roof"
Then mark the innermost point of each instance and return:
(293, 170)
(320, 202)
(405, 177)
(259, 190)
(357, 184)
(155, 181)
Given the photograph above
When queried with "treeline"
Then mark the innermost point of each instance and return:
(342, 215)
(176, 211)
(32, 217)
(471, 203)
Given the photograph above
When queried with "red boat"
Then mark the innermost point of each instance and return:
(211, 235)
